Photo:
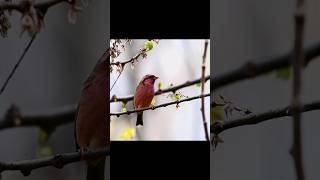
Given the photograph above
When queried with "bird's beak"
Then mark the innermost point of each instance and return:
(156, 77)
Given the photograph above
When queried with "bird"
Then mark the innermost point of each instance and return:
(144, 95)
(92, 126)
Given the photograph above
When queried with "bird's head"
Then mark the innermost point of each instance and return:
(149, 79)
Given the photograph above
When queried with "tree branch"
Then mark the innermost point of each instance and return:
(170, 89)
(222, 126)
(21, 6)
(159, 106)
(251, 70)
(49, 120)
(57, 161)
(203, 68)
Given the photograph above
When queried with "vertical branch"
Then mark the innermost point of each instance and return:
(203, 67)
(297, 66)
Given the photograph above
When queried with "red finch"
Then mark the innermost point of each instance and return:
(144, 95)
(92, 127)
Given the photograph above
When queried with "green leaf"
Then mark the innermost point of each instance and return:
(43, 136)
(175, 97)
(283, 73)
(123, 107)
(153, 102)
(160, 85)
(45, 151)
(216, 114)
(148, 45)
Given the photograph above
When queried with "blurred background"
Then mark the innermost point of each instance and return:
(256, 30)
(173, 61)
(50, 77)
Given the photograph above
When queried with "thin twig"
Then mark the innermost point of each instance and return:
(222, 126)
(134, 58)
(251, 70)
(17, 64)
(159, 106)
(297, 64)
(161, 91)
(203, 67)
(116, 80)
(58, 161)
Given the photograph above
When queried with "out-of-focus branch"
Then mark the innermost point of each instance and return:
(222, 126)
(21, 6)
(58, 161)
(297, 68)
(170, 89)
(158, 106)
(203, 68)
(251, 70)
(49, 120)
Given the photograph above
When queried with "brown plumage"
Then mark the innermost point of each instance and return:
(144, 95)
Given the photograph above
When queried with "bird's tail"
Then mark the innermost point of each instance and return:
(96, 171)
(139, 120)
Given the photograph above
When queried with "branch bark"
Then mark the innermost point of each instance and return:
(58, 161)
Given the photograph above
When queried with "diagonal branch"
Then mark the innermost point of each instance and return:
(159, 106)
(222, 126)
(17, 64)
(251, 70)
(58, 161)
(170, 89)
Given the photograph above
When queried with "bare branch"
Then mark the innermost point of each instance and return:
(159, 106)
(222, 126)
(170, 89)
(17, 64)
(251, 70)
(134, 58)
(58, 161)
(203, 67)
